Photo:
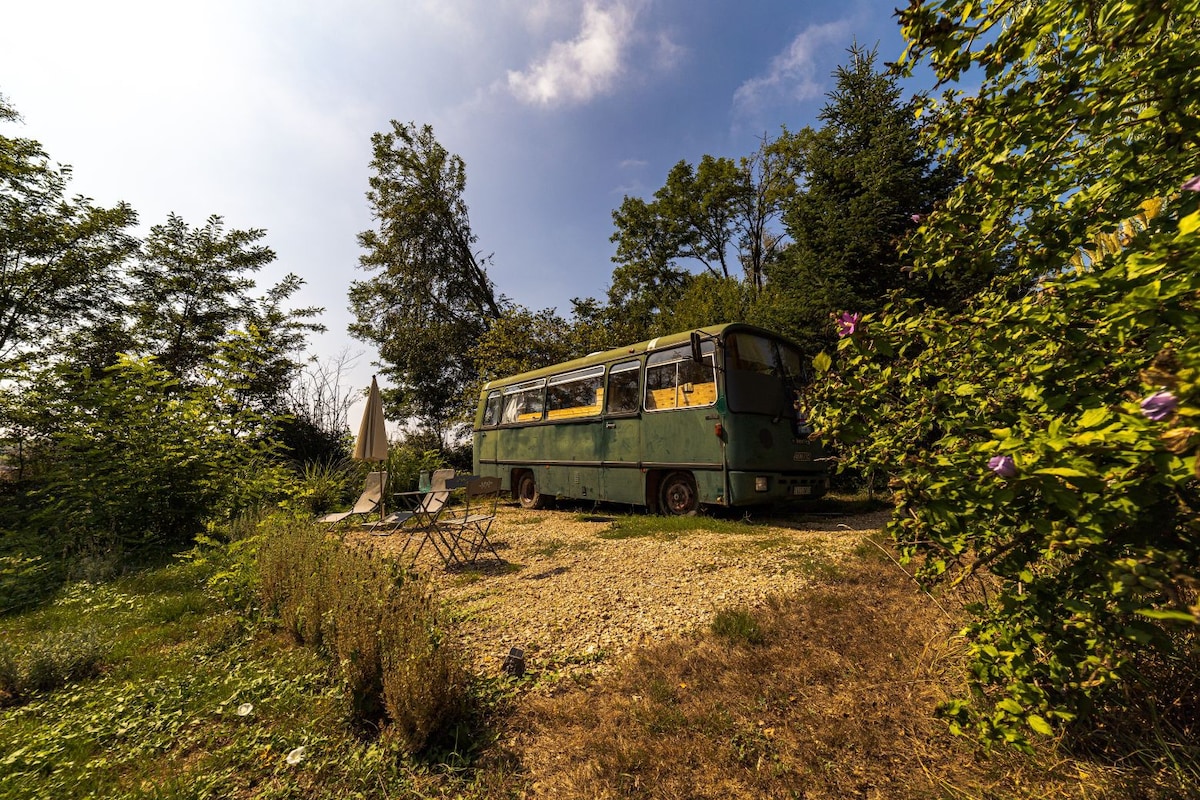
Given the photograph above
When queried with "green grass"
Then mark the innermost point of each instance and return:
(671, 528)
(159, 715)
(737, 626)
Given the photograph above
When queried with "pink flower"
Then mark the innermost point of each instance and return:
(1192, 186)
(1003, 466)
(917, 218)
(1159, 406)
(847, 324)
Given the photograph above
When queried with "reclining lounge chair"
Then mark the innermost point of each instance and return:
(368, 502)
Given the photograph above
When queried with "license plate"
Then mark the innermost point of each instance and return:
(801, 490)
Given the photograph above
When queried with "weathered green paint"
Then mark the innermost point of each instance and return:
(623, 457)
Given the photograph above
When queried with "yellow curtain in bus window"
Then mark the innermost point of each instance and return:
(577, 394)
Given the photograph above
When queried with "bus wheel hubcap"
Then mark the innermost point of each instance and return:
(679, 495)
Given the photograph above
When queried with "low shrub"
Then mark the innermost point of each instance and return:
(378, 623)
(321, 487)
(24, 580)
(53, 662)
(406, 462)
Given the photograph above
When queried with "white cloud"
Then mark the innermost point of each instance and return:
(668, 54)
(584, 67)
(792, 75)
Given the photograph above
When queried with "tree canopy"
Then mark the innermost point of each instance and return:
(867, 181)
(142, 383)
(59, 255)
(429, 297)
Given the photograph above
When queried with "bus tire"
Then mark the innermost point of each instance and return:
(527, 492)
(677, 495)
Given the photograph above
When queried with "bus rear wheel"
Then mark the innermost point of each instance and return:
(527, 492)
(678, 496)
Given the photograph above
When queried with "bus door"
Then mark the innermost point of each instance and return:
(574, 402)
(486, 436)
(622, 479)
(680, 424)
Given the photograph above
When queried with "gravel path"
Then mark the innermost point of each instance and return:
(575, 597)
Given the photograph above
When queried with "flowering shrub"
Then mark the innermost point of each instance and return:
(847, 324)
(1045, 434)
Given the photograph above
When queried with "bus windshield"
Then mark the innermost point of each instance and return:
(763, 375)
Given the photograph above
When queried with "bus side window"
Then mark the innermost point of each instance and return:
(674, 380)
(491, 412)
(697, 384)
(524, 403)
(623, 388)
(660, 387)
(512, 407)
(576, 394)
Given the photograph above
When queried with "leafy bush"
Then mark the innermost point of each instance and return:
(376, 620)
(24, 580)
(406, 463)
(228, 555)
(139, 460)
(1045, 435)
(322, 487)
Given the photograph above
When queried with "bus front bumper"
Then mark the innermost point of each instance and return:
(749, 488)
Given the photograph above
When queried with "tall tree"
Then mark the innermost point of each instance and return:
(767, 181)
(719, 214)
(866, 174)
(192, 288)
(60, 256)
(430, 297)
(189, 289)
(522, 339)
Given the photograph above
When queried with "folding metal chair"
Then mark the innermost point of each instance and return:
(420, 519)
(467, 531)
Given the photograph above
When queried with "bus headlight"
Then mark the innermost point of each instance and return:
(761, 483)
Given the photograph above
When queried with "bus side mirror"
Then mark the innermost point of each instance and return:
(697, 356)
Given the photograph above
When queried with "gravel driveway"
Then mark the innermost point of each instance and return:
(575, 593)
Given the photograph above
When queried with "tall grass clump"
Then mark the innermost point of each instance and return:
(737, 626)
(322, 485)
(376, 621)
(49, 663)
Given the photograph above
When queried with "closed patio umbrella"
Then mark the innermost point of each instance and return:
(372, 444)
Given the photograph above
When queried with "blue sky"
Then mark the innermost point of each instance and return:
(262, 111)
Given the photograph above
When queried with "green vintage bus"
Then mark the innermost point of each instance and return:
(704, 417)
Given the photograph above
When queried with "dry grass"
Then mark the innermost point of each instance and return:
(834, 699)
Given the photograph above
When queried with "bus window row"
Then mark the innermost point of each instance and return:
(673, 380)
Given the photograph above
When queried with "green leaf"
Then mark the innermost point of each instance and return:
(1062, 472)
(1010, 705)
(822, 362)
(1039, 725)
(1190, 223)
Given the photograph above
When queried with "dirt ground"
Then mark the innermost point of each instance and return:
(575, 593)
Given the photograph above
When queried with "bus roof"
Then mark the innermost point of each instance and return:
(629, 351)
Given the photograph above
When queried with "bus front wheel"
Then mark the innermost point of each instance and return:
(527, 492)
(678, 496)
